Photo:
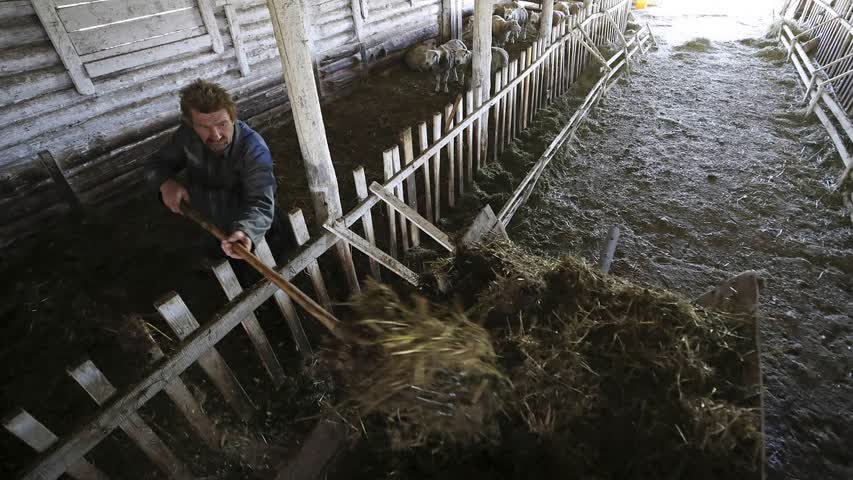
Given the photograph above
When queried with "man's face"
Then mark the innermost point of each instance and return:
(215, 129)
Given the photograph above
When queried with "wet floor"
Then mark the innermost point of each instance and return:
(703, 158)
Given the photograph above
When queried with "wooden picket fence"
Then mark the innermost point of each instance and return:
(416, 190)
(827, 72)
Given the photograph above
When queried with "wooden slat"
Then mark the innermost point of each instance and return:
(206, 9)
(367, 220)
(388, 170)
(525, 88)
(228, 280)
(89, 41)
(413, 216)
(46, 11)
(510, 108)
(173, 309)
(285, 304)
(149, 55)
(32, 432)
(58, 176)
(469, 141)
(177, 390)
(101, 390)
(341, 231)
(300, 232)
(407, 145)
(451, 158)
(436, 166)
(398, 190)
(237, 39)
(91, 14)
(460, 142)
(496, 119)
(478, 132)
(423, 139)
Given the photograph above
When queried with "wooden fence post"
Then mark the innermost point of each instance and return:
(482, 62)
(367, 220)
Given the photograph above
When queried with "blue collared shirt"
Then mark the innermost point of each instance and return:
(235, 189)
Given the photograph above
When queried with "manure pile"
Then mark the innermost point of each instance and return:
(555, 370)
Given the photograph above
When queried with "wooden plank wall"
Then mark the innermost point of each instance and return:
(41, 110)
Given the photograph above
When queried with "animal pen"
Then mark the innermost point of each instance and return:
(417, 190)
(825, 72)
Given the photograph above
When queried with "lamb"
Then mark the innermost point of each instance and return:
(422, 58)
(504, 31)
(500, 59)
(520, 16)
(455, 57)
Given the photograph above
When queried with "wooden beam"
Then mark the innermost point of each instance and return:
(100, 389)
(49, 163)
(46, 11)
(609, 250)
(237, 39)
(209, 19)
(32, 432)
(413, 216)
(546, 20)
(339, 229)
(294, 45)
(481, 61)
(359, 14)
(228, 280)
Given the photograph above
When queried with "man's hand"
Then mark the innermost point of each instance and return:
(237, 237)
(173, 193)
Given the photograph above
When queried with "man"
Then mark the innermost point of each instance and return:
(228, 167)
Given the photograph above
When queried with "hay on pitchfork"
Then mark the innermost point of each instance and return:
(425, 370)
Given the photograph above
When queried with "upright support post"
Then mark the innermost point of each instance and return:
(294, 47)
(545, 21)
(482, 61)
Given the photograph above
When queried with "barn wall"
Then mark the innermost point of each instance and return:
(99, 141)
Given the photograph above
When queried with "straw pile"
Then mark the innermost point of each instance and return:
(575, 373)
(615, 379)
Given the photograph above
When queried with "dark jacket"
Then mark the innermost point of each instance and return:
(235, 190)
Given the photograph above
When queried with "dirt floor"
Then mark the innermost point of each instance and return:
(704, 160)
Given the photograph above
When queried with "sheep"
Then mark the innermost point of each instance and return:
(504, 31)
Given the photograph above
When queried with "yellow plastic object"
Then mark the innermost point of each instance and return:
(639, 4)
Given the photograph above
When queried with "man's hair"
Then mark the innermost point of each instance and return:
(206, 97)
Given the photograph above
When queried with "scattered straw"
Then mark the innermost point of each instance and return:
(430, 373)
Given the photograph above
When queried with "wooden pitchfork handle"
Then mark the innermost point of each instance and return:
(313, 308)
